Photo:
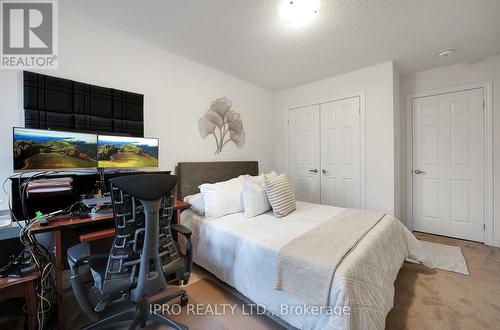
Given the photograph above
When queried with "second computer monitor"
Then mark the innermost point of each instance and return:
(126, 152)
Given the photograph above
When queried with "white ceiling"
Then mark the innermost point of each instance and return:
(247, 39)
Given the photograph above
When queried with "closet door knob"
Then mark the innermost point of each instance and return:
(324, 171)
(419, 172)
(313, 171)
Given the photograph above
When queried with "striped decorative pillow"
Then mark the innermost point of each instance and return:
(280, 194)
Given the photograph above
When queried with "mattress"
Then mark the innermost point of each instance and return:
(243, 253)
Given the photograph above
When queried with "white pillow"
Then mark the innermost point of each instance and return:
(271, 175)
(259, 179)
(255, 201)
(223, 198)
(196, 202)
(281, 195)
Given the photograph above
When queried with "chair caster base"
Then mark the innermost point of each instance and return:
(184, 300)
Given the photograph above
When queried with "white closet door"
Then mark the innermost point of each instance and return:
(448, 164)
(303, 153)
(340, 153)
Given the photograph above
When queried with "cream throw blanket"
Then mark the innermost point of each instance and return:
(306, 265)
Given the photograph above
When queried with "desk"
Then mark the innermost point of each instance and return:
(57, 224)
(22, 287)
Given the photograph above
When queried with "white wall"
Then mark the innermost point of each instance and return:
(398, 170)
(176, 93)
(454, 75)
(377, 83)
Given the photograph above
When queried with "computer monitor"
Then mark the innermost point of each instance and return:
(36, 149)
(126, 152)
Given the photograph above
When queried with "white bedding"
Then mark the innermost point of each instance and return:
(243, 253)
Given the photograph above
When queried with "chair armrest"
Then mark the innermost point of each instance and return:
(78, 254)
(180, 229)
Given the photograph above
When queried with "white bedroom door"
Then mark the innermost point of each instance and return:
(448, 164)
(303, 153)
(340, 152)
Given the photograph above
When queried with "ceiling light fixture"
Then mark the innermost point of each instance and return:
(446, 52)
(299, 12)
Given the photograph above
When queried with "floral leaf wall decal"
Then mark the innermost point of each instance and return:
(223, 123)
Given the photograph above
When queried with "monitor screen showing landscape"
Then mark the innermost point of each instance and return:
(127, 152)
(36, 149)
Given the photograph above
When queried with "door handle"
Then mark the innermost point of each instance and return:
(324, 171)
(313, 171)
(420, 172)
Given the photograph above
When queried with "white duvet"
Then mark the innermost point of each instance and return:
(243, 253)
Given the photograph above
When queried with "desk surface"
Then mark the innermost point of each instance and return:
(60, 222)
(10, 281)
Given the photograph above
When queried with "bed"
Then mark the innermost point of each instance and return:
(243, 253)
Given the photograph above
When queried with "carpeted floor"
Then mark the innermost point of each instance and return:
(216, 308)
(213, 306)
(425, 298)
(438, 299)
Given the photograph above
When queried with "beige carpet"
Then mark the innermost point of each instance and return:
(207, 296)
(438, 299)
(210, 300)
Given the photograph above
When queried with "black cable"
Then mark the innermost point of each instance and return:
(44, 263)
(47, 289)
(13, 216)
(39, 253)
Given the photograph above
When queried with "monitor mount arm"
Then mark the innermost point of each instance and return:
(101, 182)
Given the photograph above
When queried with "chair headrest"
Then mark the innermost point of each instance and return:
(148, 187)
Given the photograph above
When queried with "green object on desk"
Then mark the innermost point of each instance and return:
(38, 215)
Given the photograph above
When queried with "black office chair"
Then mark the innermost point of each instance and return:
(143, 255)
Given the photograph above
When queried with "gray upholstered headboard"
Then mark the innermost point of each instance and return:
(193, 174)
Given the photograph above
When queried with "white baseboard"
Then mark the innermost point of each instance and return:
(496, 243)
